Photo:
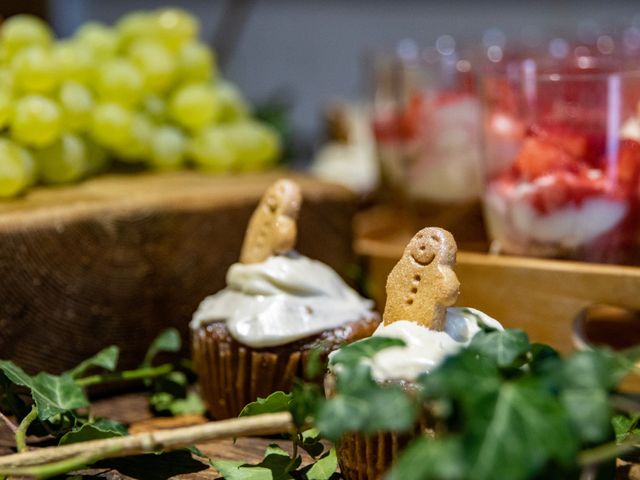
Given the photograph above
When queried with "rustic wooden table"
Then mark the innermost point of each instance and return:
(132, 409)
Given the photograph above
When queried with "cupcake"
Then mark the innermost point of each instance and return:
(421, 290)
(256, 335)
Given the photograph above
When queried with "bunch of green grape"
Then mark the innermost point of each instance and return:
(144, 91)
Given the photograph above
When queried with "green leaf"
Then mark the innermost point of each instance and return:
(589, 412)
(363, 405)
(428, 459)
(235, 470)
(306, 400)
(276, 402)
(191, 405)
(52, 394)
(102, 428)
(526, 425)
(625, 425)
(324, 468)
(598, 368)
(107, 359)
(365, 348)
(311, 442)
(168, 341)
(276, 465)
(507, 348)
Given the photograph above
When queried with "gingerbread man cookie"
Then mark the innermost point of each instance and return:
(272, 228)
(423, 284)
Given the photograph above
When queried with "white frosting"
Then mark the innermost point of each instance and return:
(281, 300)
(425, 349)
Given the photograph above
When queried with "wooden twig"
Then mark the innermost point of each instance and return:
(12, 426)
(267, 424)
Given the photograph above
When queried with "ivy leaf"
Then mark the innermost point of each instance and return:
(428, 459)
(52, 394)
(526, 425)
(598, 368)
(56, 394)
(507, 348)
(311, 442)
(365, 348)
(624, 425)
(192, 404)
(168, 341)
(276, 402)
(363, 405)
(107, 359)
(306, 399)
(324, 468)
(590, 413)
(276, 465)
(102, 428)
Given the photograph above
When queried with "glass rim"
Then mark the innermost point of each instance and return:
(515, 70)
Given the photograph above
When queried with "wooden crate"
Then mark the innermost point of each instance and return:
(539, 296)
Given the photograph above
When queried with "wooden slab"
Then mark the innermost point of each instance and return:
(539, 296)
(116, 259)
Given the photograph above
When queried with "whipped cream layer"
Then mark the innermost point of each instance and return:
(425, 349)
(516, 224)
(281, 300)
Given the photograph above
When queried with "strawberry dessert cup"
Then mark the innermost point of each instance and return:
(563, 165)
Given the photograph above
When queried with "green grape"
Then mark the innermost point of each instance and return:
(212, 150)
(233, 106)
(196, 63)
(175, 27)
(156, 63)
(7, 82)
(119, 81)
(17, 169)
(6, 108)
(74, 62)
(35, 70)
(256, 145)
(36, 121)
(97, 157)
(101, 41)
(64, 161)
(168, 146)
(77, 102)
(155, 107)
(111, 124)
(135, 25)
(194, 106)
(136, 147)
(21, 31)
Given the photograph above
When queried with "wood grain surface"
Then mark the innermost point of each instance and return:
(542, 297)
(116, 259)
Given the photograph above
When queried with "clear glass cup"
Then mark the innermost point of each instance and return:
(562, 158)
(426, 121)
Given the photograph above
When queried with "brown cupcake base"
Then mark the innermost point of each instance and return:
(232, 374)
(369, 457)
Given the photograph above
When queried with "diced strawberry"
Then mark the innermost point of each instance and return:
(586, 141)
(565, 188)
(628, 163)
(385, 128)
(538, 157)
(411, 120)
(567, 138)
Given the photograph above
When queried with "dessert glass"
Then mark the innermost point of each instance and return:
(562, 158)
(426, 121)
